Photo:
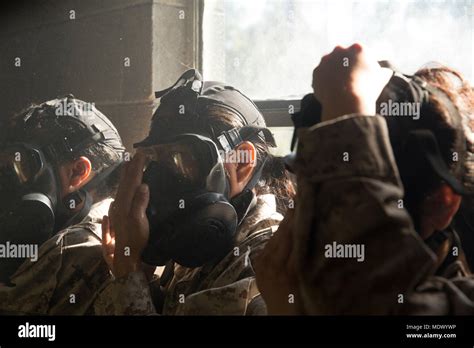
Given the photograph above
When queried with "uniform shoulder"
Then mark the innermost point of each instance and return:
(80, 235)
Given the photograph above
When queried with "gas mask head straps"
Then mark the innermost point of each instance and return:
(420, 144)
(74, 125)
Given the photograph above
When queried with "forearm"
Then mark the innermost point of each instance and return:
(350, 197)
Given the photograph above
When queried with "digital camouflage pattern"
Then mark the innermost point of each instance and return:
(225, 288)
(68, 275)
(349, 192)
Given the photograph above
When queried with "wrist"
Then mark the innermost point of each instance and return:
(124, 265)
(346, 106)
(123, 269)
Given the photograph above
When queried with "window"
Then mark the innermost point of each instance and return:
(268, 48)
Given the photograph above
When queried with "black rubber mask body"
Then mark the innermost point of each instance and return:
(28, 213)
(187, 224)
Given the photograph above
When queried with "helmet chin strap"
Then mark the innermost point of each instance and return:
(245, 201)
(80, 196)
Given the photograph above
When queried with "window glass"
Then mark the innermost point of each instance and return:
(268, 48)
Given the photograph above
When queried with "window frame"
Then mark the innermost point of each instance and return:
(277, 111)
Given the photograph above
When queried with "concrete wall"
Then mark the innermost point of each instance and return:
(176, 39)
(115, 53)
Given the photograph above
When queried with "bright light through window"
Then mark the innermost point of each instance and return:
(268, 48)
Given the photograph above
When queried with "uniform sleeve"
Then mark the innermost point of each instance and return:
(64, 280)
(34, 285)
(82, 274)
(128, 295)
(357, 250)
(257, 306)
(238, 298)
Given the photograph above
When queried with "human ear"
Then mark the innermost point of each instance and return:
(246, 162)
(239, 166)
(78, 173)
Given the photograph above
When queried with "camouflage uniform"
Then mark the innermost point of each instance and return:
(227, 287)
(67, 276)
(349, 192)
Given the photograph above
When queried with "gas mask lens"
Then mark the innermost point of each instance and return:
(189, 160)
(19, 165)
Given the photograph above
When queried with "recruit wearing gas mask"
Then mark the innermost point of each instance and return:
(420, 146)
(192, 219)
(32, 149)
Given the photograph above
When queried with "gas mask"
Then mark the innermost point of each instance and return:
(29, 193)
(417, 148)
(32, 208)
(193, 221)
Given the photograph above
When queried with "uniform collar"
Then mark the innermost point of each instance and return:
(265, 209)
